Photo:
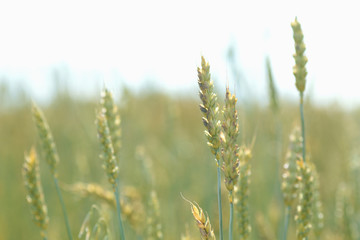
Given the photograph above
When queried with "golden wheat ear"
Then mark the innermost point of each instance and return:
(202, 220)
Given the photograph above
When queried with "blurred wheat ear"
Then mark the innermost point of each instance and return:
(34, 195)
(109, 159)
(51, 156)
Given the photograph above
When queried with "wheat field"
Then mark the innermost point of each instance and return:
(140, 166)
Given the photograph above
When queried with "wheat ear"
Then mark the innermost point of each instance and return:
(34, 192)
(304, 208)
(210, 110)
(51, 156)
(290, 176)
(112, 114)
(318, 213)
(242, 193)
(229, 151)
(154, 227)
(109, 161)
(202, 221)
(300, 73)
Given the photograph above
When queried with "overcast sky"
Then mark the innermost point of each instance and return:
(162, 41)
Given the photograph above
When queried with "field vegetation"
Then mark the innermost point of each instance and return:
(146, 155)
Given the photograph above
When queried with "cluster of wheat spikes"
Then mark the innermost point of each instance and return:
(128, 206)
(300, 181)
(222, 131)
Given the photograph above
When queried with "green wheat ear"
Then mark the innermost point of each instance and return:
(46, 139)
(228, 138)
(209, 108)
(304, 209)
(153, 223)
(108, 156)
(112, 114)
(34, 195)
(290, 177)
(318, 213)
(241, 191)
(299, 69)
(51, 156)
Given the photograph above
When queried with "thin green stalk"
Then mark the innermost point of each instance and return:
(118, 207)
(231, 216)
(302, 125)
(219, 203)
(63, 208)
(303, 129)
(287, 220)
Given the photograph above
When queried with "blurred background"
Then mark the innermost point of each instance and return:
(60, 54)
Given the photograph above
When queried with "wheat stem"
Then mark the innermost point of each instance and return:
(219, 203)
(287, 220)
(302, 125)
(63, 208)
(231, 215)
(118, 208)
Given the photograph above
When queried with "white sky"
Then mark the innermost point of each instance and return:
(102, 41)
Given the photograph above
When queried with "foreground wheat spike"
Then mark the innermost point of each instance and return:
(111, 112)
(202, 221)
(34, 195)
(154, 227)
(318, 213)
(109, 162)
(229, 151)
(299, 69)
(304, 209)
(290, 183)
(51, 156)
(242, 193)
(46, 139)
(300, 73)
(210, 110)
